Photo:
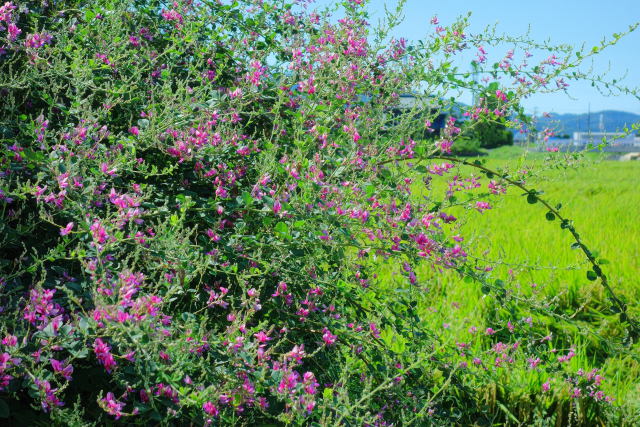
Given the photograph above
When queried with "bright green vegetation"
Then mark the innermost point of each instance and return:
(603, 199)
(533, 256)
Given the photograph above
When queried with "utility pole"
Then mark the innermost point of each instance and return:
(474, 94)
(533, 127)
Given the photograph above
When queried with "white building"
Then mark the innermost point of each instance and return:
(612, 138)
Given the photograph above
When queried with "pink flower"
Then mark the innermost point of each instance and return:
(262, 337)
(35, 41)
(210, 409)
(112, 406)
(103, 354)
(104, 168)
(546, 386)
(328, 337)
(533, 362)
(66, 230)
(50, 400)
(171, 15)
(482, 206)
(58, 367)
(510, 326)
(568, 357)
(133, 130)
(13, 31)
(501, 96)
(6, 11)
(374, 330)
(10, 341)
(445, 145)
(277, 207)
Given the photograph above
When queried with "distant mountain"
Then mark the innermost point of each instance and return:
(608, 120)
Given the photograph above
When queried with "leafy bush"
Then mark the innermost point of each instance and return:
(198, 207)
(493, 135)
(466, 147)
(492, 132)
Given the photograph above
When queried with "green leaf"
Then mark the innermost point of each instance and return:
(591, 275)
(247, 199)
(421, 169)
(48, 331)
(282, 227)
(370, 190)
(550, 216)
(532, 198)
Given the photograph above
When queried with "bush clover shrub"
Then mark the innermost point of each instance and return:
(204, 223)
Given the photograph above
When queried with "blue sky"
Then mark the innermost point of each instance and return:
(562, 21)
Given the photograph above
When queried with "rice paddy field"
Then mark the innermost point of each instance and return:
(533, 256)
(602, 197)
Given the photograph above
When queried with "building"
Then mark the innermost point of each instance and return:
(613, 139)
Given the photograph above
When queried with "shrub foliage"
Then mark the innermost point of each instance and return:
(203, 220)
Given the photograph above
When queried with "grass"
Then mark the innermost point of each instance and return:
(534, 257)
(601, 197)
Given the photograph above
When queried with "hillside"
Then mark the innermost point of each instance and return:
(608, 120)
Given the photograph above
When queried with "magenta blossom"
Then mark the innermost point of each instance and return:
(112, 406)
(37, 40)
(210, 409)
(67, 229)
(328, 337)
(102, 351)
(60, 368)
(13, 31)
